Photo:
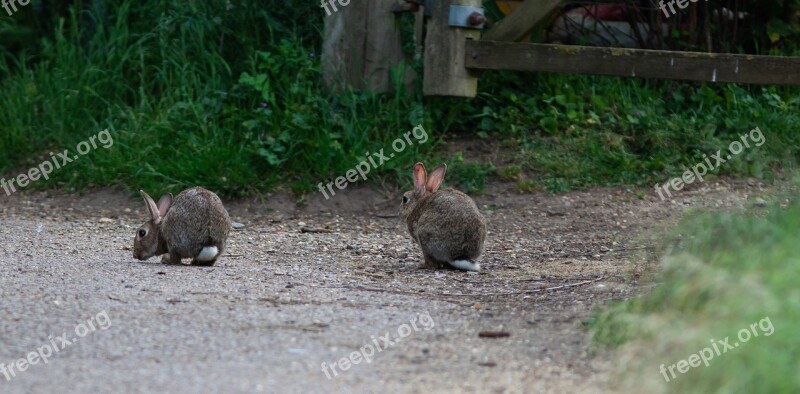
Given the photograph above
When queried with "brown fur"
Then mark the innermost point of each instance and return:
(182, 227)
(446, 224)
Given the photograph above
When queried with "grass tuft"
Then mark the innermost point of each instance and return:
(724, 273)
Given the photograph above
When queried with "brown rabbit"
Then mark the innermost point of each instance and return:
(446, 224)
(195, 225)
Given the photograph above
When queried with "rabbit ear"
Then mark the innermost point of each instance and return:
(436, 178)
(164, 203)
(151, 207)
(420, 177)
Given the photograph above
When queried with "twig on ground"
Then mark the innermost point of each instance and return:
(315, 230)
(364, 288)
(494, 334)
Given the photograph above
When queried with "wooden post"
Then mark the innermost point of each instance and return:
(361, 43)
(445, 74)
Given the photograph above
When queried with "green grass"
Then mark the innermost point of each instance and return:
(229, 95)
(189, 102)
(571, 132)
(723, 273)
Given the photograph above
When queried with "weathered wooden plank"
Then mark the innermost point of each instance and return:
(361, 44)
(522, 21)
(690, 66)
(445, 74)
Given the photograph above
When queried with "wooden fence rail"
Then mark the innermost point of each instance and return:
(689, 66)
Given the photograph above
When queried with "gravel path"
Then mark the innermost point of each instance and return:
(300, 287)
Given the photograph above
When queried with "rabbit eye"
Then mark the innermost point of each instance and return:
(142, 233)
(405, 200)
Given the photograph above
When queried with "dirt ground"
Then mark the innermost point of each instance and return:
(300, 286)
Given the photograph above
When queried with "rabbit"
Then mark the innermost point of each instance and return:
(446, 224)
(194, 225)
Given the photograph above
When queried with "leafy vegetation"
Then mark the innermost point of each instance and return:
(723, 273)
(229, 95)
(577, 131)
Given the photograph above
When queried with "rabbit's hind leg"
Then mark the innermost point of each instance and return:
(429, 262)
(170, 258)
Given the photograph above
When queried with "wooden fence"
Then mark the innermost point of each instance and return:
(454, 56)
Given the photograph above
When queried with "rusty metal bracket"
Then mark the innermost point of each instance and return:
(466, 16)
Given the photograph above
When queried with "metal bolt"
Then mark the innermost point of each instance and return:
(476, 19)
